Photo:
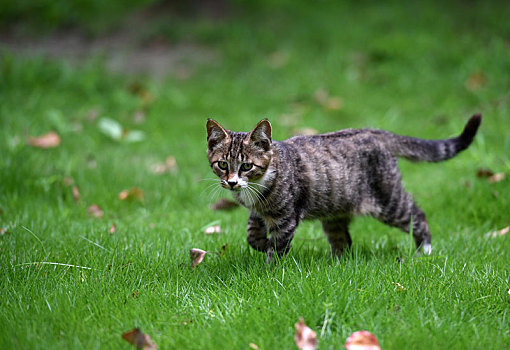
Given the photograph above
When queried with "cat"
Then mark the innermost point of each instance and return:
(331, 177)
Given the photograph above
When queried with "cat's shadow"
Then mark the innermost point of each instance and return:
(303, 256)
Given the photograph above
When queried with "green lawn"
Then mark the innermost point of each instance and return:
(421, 69)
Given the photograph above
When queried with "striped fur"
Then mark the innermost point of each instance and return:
(331, 177)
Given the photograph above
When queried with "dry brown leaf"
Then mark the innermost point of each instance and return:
(305, 338)
(49, 140)
(223, 249)
(212, 229)
(139, 117)
(490, 175)
(95, 211)
(502, 232)
(197, 255)
(362, 340)
(140, 340)
(76, 194)
(112, 229)
(170, 166)
(132, 193)
(224, 204)
(305, 131)
(400, 287)
(93, 114)
(253, 346)
(67, 181)
(496, 178)
(278, 59)
(475, 81)
(321, 96)
(334, 103)
(484, 172)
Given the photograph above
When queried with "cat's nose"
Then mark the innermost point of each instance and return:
(232, 184)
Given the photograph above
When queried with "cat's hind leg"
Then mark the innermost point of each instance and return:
(257, 233)
(401, 211)
(337, 232)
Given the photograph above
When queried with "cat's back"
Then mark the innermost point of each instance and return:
(346, 141)
(333, 169)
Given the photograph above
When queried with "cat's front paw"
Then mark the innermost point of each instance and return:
(258, 243)
(274, 256)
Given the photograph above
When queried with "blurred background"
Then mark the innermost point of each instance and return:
(103, 106)
(124, 85)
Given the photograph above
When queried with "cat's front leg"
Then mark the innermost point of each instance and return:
(257, 233)
(281, 235)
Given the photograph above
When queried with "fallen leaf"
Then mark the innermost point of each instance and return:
(139, 117)
(484, 172)
(49, 140)
(278, 59)
(3, 231)
(224, 204)
(145, 96)
(496, 178)
(362, 340)
(112, 229)
(305, 338)
(95, 211)
(76, 194)
(334, 103)
(400, 287)
(137, 338)
(132, 193)
(498, 233)
(110, 128)
(133, 135)
(304, 131)
(475, 81)
(170, 165)
(135, 87)
(223, 249)
(197, 255)
(92, 115)
(323, 98)
(114, 130)
(212, 229)
(253, 346)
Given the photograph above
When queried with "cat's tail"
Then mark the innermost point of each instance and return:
(435, 150)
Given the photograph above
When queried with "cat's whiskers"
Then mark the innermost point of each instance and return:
(259, 184)
(212, 191)
(260, 196)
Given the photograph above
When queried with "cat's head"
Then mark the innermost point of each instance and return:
(239, 158)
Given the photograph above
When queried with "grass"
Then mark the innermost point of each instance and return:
(420, 69)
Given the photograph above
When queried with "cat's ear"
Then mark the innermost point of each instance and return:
(260, 136)
(215, 133)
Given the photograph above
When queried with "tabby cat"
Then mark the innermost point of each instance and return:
(331, 177)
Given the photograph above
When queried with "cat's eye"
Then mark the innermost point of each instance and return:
(222, 165)
(246, 166)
